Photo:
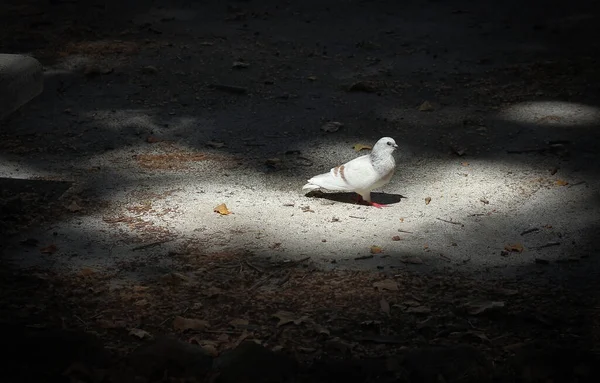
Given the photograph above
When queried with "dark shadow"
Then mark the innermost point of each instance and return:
(352, 198)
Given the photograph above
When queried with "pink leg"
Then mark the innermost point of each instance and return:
(359, 199)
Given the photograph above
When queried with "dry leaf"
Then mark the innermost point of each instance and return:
(331, 126)
(421, 310)
(50, 249)
(182, 324)
(476, 308)
(74, 207)
(239, 323)
(561, 183)
(384, 305)
(386, 284)
(426, 107)
(517, 247)
(320, 329)
(286, 317)
(222, 209)
(411, 260)
(427, 200)
(376, 250)
(139, 333)
(359, 147)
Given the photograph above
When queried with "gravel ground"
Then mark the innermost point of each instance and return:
(156, 112)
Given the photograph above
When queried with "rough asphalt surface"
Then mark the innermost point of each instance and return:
(138, 146)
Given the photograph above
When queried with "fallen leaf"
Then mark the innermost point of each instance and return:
(139, 333)
(384, 305)
(222, 209)
(86, 272)
(286, 317)
(215, 144)
(182, 324)
(426, 107)
(238, 323)
(273, 162)
(74, 207)
(359, 147)
(363, 86)
(421, 310)
(239, 65)
(386, 284)
(376, 250)
(476, 308)
(152, 140)
(427, 200)
(561, 183)
(517, 247)
(396, 238)
(50, 249)
(211, 347)
(332, 126)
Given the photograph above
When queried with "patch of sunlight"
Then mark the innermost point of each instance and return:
(552, 113)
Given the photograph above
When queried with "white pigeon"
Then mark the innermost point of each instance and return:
(362, 174)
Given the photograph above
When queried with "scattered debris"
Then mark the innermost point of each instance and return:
(221, 209)
(183, 324)
(229, 88)
(426, 107)
(477, 308)
(532, 230)
(452, 222)
(331, 126)
(561, 183)
(286, 317)
(386, 284)
(376, 250)
(427, 200)
(549, 244)
(517, 247)
(239, 65)
(359, 147)
(138, 333)
(396, 238)
(362, 257)
(215, 144)
(363, 86)
(484, 201)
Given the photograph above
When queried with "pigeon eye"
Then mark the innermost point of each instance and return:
(389, 143)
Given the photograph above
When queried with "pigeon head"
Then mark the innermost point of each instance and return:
(385, 145)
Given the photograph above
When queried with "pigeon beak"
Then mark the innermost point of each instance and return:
(395, 146)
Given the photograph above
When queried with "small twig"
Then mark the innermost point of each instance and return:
(146, 246)
(254, 267)
(96, 315)
(476, 214)
(452, 222)
(353, 216)
(539, 150)
(549, 244)
(81, 320)
(229, 88)
(577, 183)
(404, 231)
(530, 230)
(363, 257)
(446, 258)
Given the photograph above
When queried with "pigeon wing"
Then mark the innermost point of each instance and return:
(357, 174)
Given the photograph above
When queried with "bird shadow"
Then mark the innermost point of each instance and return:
(381, 198)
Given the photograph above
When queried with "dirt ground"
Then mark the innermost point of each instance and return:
(118, 265)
